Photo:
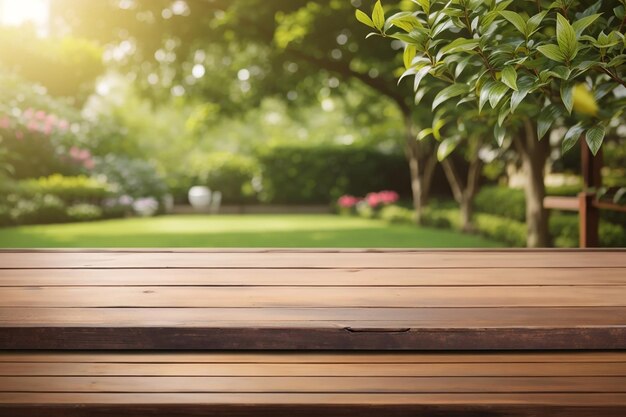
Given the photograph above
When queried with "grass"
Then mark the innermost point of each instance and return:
(236, 231)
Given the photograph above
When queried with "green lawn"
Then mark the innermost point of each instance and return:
(236, 231)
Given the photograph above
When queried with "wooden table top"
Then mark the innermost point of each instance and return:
(312, 384)
(313, 299)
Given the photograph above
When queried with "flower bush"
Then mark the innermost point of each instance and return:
(40, 143)
(146, 207)
(367, 206)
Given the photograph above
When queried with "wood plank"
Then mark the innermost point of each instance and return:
(496, 408)
(314, 384)
(457, 369)
(249, 399)
(426, 259)
(326, 338)
(552, 317)
(293, 297)
(312, 277)
(290, 357)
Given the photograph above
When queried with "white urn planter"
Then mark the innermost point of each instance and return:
(200, 197)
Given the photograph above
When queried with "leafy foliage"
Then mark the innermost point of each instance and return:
(501, 57)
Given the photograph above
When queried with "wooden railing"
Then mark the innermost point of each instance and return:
(586, 203)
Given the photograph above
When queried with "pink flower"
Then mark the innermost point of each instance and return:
(40, 115)
(63, 125)
(347, 201)
(388, 197)
(32, 126)
(84, 154)
(75, 152)
(28, 113)
(373, 200)
(19, 135)
(51, 120)
(5, 123)
(89, 164)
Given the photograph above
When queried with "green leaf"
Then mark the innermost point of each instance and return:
(449, 92)
(499, 133)
(516, 20)
(619, 194)
(580, 25)
(533, 23)
(409, 53)
(459, 44)
(567, 96)
(425, 4)
(484, 94)
(524, 86)
(424, 133)
(546, 118)
(571, 137)
(594, 138)
(378, 16)
(445, 148)
(504, 112)
(363, 18)
(566, 38)
(438, 124)
(509, 77)
(552, 52)
(560, 71)
(496, 93)
(405, 21)
(420, 75)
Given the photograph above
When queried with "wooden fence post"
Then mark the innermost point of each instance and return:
(589, 215)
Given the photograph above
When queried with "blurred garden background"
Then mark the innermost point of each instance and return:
(255, 123)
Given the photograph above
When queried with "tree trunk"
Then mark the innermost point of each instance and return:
(534, 154)
(467, 209)
(413, 156)
(416, 184)
(427, 177)
(464, 194)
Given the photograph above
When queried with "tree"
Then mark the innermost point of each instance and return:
(248, 50)
(502, 58)
(71, 64)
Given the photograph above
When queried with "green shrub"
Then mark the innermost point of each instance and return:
(40, 209)
(397, 215)
(501, 201)
(84, 212)
(439, 217)
(564, 190)
(134, 177)
(293, 174)
(564, 229)
(228, 173)
(501, 229)
(364, 210)
(68, 189)
(5, 216)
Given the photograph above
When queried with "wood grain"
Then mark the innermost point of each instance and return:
(293, 297)
(313, 299)
(358, 260)
(292, 277)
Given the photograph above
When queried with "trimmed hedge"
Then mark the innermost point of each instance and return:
(68, 189)
(511, 203)
(563, 227)
(310, 175)
(501, 201)
(53, 199)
